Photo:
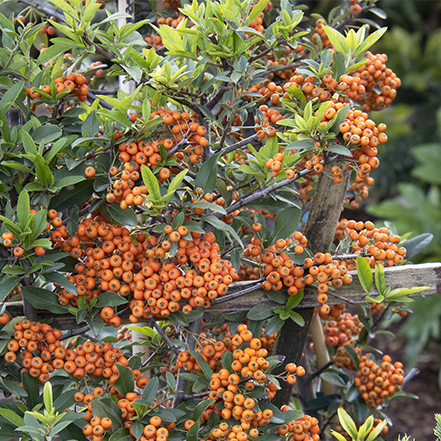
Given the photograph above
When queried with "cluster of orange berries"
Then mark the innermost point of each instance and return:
(376, 382)
(378, 243)
(278, 268)
(375, 75)
(196, 274)
(94, 431)
(304, 428)
(264, 128)
(275, 164)
(76, 83)
(211, 350)
(124, 191)
(342, 330)
(47, 28)
(249, 369)
(320, 33)
(31, 338)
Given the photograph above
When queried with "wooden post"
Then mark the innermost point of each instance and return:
(319, 230)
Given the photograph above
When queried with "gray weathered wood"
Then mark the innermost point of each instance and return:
(404, 276)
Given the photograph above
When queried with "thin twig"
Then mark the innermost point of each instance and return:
(165, 337)
(320, 370)
(74, 332)
(238, 144)
(44, 9)
(195, 396)
(234, 295)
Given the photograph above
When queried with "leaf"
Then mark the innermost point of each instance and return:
(207, 174)
(171, 380)
(12, 417)
(151, 183)
(7, 285)
(23, 208)
(364, 273)
(56, 277)
(48, 397)
(339, 436)
(380, 278)
(124, 383)
(30, 385)
(202, 364)
(260, 312)
(209, 205)
(121, 435)
(194, 429)
(352, 355)
(123, 217)
(65, 400)
(340, 150)
(347, 423)
(218, 224)
(176, 182)
(293, 301)
(377, 431)
(77, 195)
(277, 296)
(110, 299)
(43, 299)
(337, 40)
(333, 378)
(201, 408)
(277, 417)
(372, 39)
(150, 391)
(297, 318)
(9, 97)
(274, 325)
(417, 244)
(285, 224)
(258, 8)
(398, 292)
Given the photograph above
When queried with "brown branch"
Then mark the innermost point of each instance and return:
(44, 9)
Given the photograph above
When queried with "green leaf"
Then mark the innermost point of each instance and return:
(201, 408)
(293, 301)
(7, 285)
(43, 299)
(10, 96)
(365, 428)
(352, 355)
(76, 196)
(47, 397)
(398, 292)
(12, 417)
(46, 133)
(176, 182)
(347, 423)
(151, 183)
(206, 370)
(56, 277)
(194, 429)
(417, 244)
(340, 150)
(377, 431)
(277, 296)
(372, 39)
(124, 383)
(110, 299)
(65, 400)
(69, 180)
(121, 435)
(218, 224)
(258, 8)
(274, 325)
(277, 417)
(207, 174)
(380, 279)
(123, 217)
(209, 205)
(150, 391)
(297, 318)
(337, 40)
(43, 172)
(171, 380)
(364, 273)
(339, 436)
(260, 312)
(285, 224)
(333, 378)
